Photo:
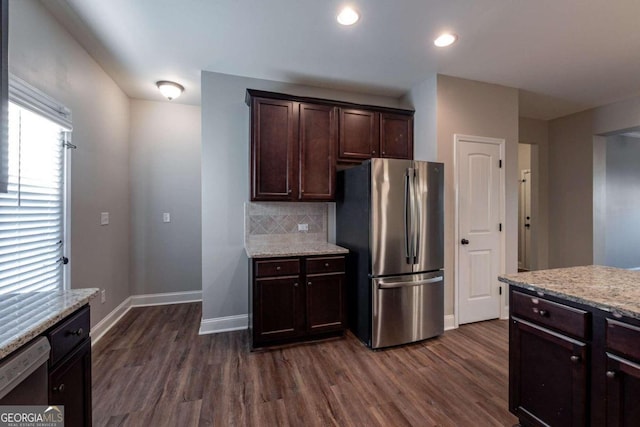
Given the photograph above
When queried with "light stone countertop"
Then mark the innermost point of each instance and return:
(27, 315)
(610, 289)
(268, 250)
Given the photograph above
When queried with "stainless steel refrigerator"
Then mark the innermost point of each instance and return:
(389, 214)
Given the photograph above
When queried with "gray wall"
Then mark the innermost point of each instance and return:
(480, 109)
(622, 202)
(225, 182)
(423, 99)
(571, 175)
(536, 133)
(165, 177)
(42, 53)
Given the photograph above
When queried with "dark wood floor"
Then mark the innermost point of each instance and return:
(152, 369)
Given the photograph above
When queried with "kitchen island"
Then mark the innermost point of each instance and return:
(574, 346)
(63, 318)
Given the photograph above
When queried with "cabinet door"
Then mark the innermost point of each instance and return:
(325, 303)
(317, 141)
(278, 309)
(273, 149)
(623, 391)
(396, 136)
(70, 385)
(548, 376)
(359, 139)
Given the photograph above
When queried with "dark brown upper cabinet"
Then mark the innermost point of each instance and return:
(297, 142)
(274, 124)
(317, 142)
(396, 136)
(365, 134)
(358, 134)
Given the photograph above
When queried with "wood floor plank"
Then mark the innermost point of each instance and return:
(152, 368)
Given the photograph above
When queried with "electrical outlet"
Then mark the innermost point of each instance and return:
(303, 227)
(166, 217)
(103, 296)
(104, 218)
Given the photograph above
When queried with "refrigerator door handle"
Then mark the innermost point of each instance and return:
(409, 283)
(407, 218)
(416, 217)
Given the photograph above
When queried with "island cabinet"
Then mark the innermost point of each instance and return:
(622, 373)
(296, 298)
(70, 368)
(297, 143)
(571, 364)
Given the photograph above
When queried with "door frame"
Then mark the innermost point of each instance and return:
(457, 138)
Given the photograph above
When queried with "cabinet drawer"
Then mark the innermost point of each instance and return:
(623, 338)
(325, 265)
(561, 317)
(278, 267)
(69, 334)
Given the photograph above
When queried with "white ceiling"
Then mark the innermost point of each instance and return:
(566, 55)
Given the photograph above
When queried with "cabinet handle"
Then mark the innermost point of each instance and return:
(611, 374)
(543, 313)
(383, 153)
(278, 267)
(77, 332)
(59, 389)
(575, 359)
(288, 191)
(295, 285)
(326, 264)
(309, 283)
(373, 152)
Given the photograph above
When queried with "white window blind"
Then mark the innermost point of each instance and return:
(32, 211)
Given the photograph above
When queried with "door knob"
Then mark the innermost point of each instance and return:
(464, 241)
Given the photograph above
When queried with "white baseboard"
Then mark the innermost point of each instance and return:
(166, 298)
(103, 326)
(449, 322)
(109, 320)
(224, 324)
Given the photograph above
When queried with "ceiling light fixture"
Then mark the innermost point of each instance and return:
(348, 16)
(446, 39)
(169, 89)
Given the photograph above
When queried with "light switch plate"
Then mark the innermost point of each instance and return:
(303, 227)
(104, 218)
(166, 217)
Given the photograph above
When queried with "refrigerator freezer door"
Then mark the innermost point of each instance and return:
(407, 308)
(391, 221)
(429, 199)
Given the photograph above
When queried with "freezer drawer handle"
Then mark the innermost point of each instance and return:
(406, 284)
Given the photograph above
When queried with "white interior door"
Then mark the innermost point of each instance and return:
(480, 206)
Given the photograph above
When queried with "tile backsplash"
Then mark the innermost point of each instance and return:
(277, 222)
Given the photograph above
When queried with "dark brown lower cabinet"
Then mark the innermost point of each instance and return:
(295, 299)
(546, 366)
(623, 392)
(571, 364)
(70, 385)
(278, 308)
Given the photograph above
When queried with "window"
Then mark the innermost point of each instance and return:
(32, 212)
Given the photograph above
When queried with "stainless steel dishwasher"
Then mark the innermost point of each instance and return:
(23, 375)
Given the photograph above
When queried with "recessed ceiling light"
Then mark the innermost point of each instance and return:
(446, 39)
(348, 16)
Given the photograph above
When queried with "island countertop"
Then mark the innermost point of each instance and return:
(268, 250)
(25, 316)
(610, 289)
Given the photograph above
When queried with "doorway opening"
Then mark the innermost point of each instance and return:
(528, 194)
